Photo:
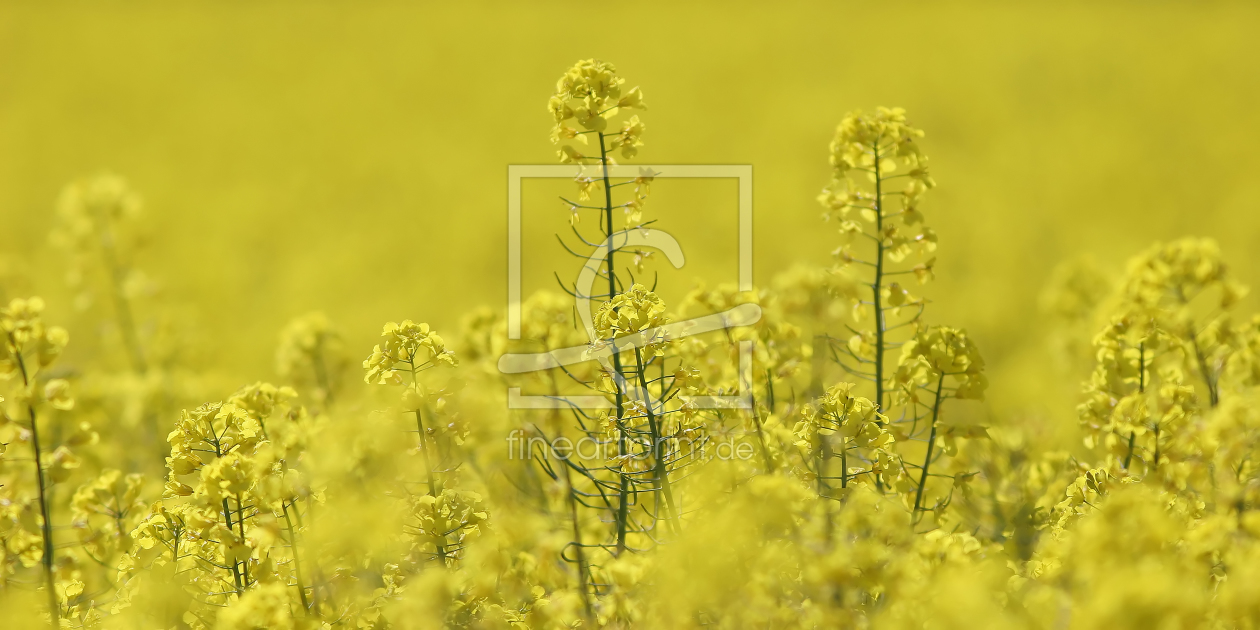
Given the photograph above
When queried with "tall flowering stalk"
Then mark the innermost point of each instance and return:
(444, 518)
(651, 430)
(223, 526)
(1166, 348)
(883, 233)
(546, 324)
(93, 230)
(879, 177)
(29, 348)
(932, 355)
(99, 232)
(855, 424)
(311, 354)
(590, 95)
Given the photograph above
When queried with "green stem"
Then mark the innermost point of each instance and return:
(844, 463)
(583, 582)
(297, 559)
(877, 298)
(623, 492)
(769, 390)
(658, 447)
(571, 495)
(1157, 446)
(236, 571)
(880, 324)
(317, 579)
(46, 516)
(824, 453)
(54, 609)
(240, 524)
(761, 436)
(927, 459)
(1128, 457)
(1208, 378)
(428, 467)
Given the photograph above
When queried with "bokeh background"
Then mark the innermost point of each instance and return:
(352, 157)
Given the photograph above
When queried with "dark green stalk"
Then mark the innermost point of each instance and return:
(227, 511)
(878, 285)
(1208, 378)
(658, 446)
(428, 467)
(769, 390)
(844, 464)
(240, 523)
(571, 495)
(583, 582)
(318, 578)
(1157, 446)
(297, 559)
(236, 571)
(927, 459)
(623, 492)
(1128, 457)
(54, 609)
(761, 436)
(824, 453)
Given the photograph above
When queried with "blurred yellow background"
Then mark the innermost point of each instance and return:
(352, 158)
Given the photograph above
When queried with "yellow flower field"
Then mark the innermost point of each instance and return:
(658, 315)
